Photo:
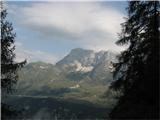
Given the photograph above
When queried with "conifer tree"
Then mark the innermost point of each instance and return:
(137, 72)
(8, 66)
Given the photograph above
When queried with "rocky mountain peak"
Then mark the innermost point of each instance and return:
(85, 60)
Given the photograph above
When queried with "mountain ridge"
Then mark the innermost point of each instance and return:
(82, 74)
(87, 59)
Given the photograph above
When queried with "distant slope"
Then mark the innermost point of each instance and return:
(82, 74)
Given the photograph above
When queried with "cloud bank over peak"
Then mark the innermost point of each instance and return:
(33, 55)
(90, 24)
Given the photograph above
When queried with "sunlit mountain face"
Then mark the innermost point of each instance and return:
(84, 73)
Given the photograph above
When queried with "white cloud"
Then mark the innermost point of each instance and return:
(90, 24)
(32, 56)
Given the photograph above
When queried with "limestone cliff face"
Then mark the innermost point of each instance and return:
(86, 60)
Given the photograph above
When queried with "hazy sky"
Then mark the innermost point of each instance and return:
(47, 31)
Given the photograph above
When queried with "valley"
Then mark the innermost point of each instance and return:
(78, 83)
(52, 108)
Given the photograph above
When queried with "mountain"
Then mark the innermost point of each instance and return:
(85, 60)
(82, 74)
(95, 63)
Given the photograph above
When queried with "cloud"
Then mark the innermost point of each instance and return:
(32, 56)
(18, 44)
(90, 24)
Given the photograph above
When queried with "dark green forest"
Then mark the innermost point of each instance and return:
(132, 92)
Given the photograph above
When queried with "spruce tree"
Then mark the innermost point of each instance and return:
(137, 73)
(9, 67)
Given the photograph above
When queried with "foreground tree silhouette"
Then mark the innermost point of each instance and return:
(8, 66)
(137, 73)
